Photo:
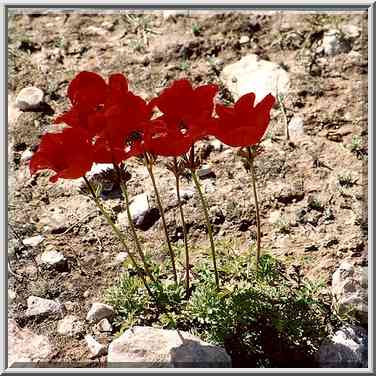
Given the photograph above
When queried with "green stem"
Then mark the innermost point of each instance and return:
(258, 241)
(124, 190)
(184, 227)
(150, 170)
(119, 235)
(208, 224)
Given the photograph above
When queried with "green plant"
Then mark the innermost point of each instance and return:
(196, 30)
(346, 180)
(316, 204)
(184, 65)
(263, 319)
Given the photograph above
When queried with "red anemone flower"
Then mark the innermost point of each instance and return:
(183, 105)
(87, 89)
(87, 92)
(243, 124)
(126, 116)
(169, 142)
(68, 153)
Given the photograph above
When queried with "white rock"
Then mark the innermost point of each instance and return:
(34, 241)
(348, 348)
(244, 39)
(296, 128)
(153, 347)
(29, 98)
(43, 307)
(26, 155)
(205, 172)
(70, 326)
(252, 74)
(11, 295)
(139, 208)
(105, 326)
(350, 290)
(53, 258)
(187, 193)
(99, 311)
(120, 257)
(352, 31)
(24, 346)
(333, 43)
(95, 348)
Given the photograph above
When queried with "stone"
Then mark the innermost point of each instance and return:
(348, 348)
(26, 155)
(252, 74)
(99, 311)
(11, 296)
(296, 128)
(120, 257)
(205, 172)
(53, 258)
(352, 31)
(29, 99)
(43, 307)
(244, 39)
(142, 214)
(33, 241)
(333, 43)
(24, 346)
(70, 326)
(104, 326)
(350, 290)
(96, 349)
(154, 347)
(187, 194)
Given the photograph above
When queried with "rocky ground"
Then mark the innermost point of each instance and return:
(312, 188)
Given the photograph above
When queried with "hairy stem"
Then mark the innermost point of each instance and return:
(119, 235)
(258, 241)
(124, 190)
(208, 224)
(150, 170)
(184, 227)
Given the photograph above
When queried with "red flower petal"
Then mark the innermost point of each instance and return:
(242, 125)
(87, 89)
(68, 153)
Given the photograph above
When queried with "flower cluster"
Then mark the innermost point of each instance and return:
(107, 123)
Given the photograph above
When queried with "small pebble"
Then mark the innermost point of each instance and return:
(53, 258)
(95, 348)
(205, 172)
(244, 39)
(121, 257)
(26, 155)
(29, 98)
(34, 241)
(104, 326)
